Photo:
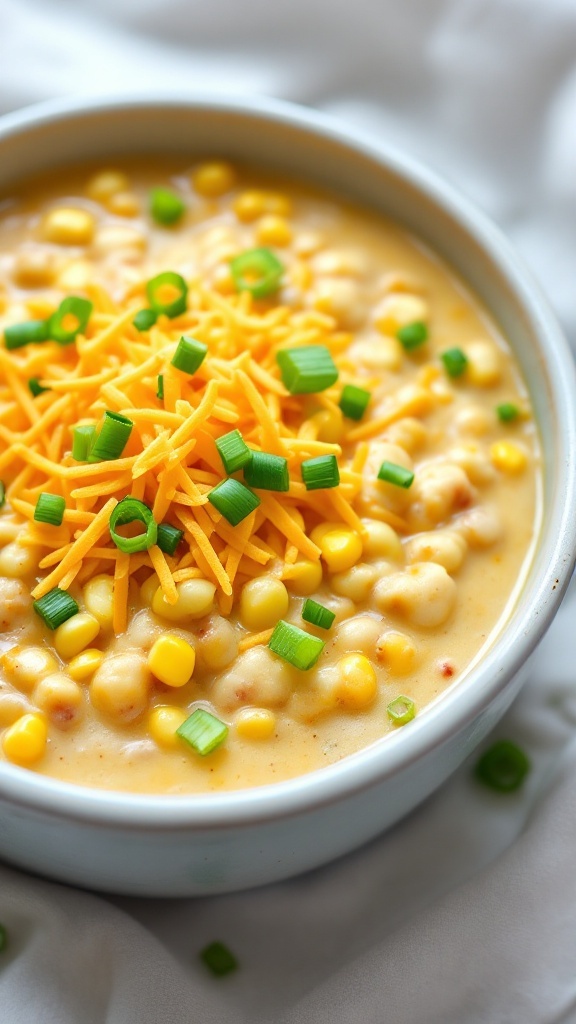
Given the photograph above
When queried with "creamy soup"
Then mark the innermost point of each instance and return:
(269, 471)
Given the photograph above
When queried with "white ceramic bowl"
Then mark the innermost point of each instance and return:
(215, 843)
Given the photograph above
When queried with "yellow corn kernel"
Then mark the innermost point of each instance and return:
(223, 281)
(274, 230)
(25, 741)
(213, 179)
(124, 204)
(39, 307)
(304, 577)
(163, 723)
(105, 184)
(16, 561)
(34, 268)
(172, 660)
(399, 310)
(250, 205)
(341, 547)
(195, 599)
(381, 353)
(381, 541)
(25, 666)
(397, 651)
(329, 425)
(263, 601)
(85, 664)
(75, 634)
(98, 597)
(484, 363)
(357, 684)
(277, 202)
(68, 226)
(76, 275)
(508, 457)
(255, 723)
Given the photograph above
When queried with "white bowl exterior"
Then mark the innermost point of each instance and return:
(216, 843)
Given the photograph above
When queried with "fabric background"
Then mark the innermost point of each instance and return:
(465, 913)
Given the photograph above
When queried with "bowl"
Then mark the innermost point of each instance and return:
(170, 846)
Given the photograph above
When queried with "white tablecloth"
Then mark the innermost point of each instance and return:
(466, 912)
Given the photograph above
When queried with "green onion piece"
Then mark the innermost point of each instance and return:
(401, 710)
(168, 537)
(391, 473)
(82, 438)
(218, 959)
(145, 319)
(173, 305)
(189, 355)
(268, 472)
(27, 333)
(56, 607)
(166, 207)
(307, 369)
(507, 412)
(257, 271)
(203, 731)
(455, 362)
(78, 310)
(130, 510)
(233, 451)
(294, 645)
(233, 500)
(411, 336)
(112, 438)
(354, 401)
(3, 938)
(320, 472)
(503, 767)
(317, 614)
(36, 387)
(160, 391)
(49, 509)
(2, 494)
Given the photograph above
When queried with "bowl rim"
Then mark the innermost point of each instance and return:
(470, 697)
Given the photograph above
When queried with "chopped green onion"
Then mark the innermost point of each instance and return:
(168, 537)
(391, 473)
(203, 731)
(82, 438)
(131, 510)
(160, 391)
(503, 767)
(78, 310)
(49, 509)
(317, 614)
(257, 271)
(233, 451)
(189, 355)
(320, 472)
(172, 282)
(112, 438)
(233, 500)
(145, 319)
(295, 646)
(307, 369)
(268, 472)
(507, 412)
(56, 607)
(354, 401)
(166, 207)
(218, 959)
(36, 387)
(401, 710)
(2, 494)
(411, 336)
(27, 333)
(455, 362)
(3, 938)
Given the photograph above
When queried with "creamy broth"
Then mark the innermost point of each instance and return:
(420, 575)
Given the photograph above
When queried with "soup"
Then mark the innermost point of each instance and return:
(271, 478)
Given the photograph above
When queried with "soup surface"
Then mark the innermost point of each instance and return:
(271, 478)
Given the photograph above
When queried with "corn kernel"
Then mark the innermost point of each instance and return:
(25, 741)
(329, 425)
(399, 310)
(357, 684)
(25, 666)
(508, 457)
(76, 275)
(214, 179)
(381, 541)
(33, 268)
(85, 664)
(256, 724)
(68, 226)
(397, 651)
(98, 597)
(341, 547)
(304, 577)
(124, 204)
(263, 601)
(75, 634)
(163, 723)
(195, 600)
(105, 184)
(277, 202)
(249, 206)
(484, 363)
(383, 353)
(274, 230)
(172, 660)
